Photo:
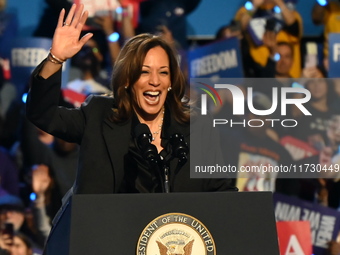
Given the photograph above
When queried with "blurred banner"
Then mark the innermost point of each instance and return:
(324, 222)
(26, 54)
(294, 237)
(297, 148)
(112, 7)
(334, 55)
(220, 59)
(73, 97)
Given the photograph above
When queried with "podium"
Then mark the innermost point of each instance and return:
(237, 223)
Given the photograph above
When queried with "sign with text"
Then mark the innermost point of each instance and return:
(324, 222)
(26, 54)
(297, 148)
(334, 55)
(220, 59)
(294, 237)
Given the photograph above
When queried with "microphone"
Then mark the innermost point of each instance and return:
(180, 148)
(144, 137)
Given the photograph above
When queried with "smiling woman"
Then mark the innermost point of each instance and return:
(114, 132)
(150, 60)
(147, 80)
(118, 152)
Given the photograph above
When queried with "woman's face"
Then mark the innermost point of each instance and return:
(151, 88)
(19, 247)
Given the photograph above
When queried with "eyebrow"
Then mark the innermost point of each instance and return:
(159, 68)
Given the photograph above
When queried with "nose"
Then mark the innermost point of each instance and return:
(154, 79)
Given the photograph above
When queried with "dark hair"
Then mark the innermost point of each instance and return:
(25, 239)
(127, 70)
(85, 60)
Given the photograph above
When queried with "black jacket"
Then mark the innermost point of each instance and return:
(103, 143)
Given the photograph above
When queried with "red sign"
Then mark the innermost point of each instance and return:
(298, 149)
(73, 97)
(294, 237)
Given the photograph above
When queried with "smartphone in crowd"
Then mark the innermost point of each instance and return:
(8, 230)
(311, 59)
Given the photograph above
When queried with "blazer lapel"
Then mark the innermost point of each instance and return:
(117, 139)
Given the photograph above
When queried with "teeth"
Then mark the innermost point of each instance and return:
(155, 100)
(152, 93)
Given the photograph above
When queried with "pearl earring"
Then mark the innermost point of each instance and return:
(169, 89)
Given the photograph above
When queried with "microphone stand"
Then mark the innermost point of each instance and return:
(179, 149)
(166, 181)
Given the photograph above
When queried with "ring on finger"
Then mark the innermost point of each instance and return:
(65, 24)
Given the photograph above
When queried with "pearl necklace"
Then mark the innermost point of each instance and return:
(154, 134)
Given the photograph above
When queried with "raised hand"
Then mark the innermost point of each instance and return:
(66, 42)
(269, 40)
(41, 180)
(106, 23)
(6, 241)
(257, 3)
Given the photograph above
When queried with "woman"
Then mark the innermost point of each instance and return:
(21, 245)
(313, 129)
(148, 87)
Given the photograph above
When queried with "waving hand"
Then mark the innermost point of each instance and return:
(66, 42)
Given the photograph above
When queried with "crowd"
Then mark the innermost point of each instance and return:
(37, 169)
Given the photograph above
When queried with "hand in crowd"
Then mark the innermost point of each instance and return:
(166, 34)
(311, 72)
(41, 179)
(334, 248)
(66, 42)
(106, 22)
(257, 3)
(269, 40)
(6, 242)
(322, 194)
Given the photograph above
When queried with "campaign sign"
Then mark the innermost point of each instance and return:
(26, 54)
(297, 148)
(113, 8)
(294, 237)
(334, 55)
(220, 59)
(324, 222)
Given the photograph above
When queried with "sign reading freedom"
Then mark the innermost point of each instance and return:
(324, 221)
(26, 55)
(222, 59)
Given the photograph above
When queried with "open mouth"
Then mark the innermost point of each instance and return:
(152, 96)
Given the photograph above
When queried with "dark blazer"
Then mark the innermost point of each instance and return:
(103, 143)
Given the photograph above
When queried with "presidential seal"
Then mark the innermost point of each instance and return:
(175, 234)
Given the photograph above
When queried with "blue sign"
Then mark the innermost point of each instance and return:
(324, 221)
(220, 59)
(25, 55)
(334, 55)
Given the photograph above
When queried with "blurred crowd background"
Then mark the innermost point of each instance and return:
(280, 43)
